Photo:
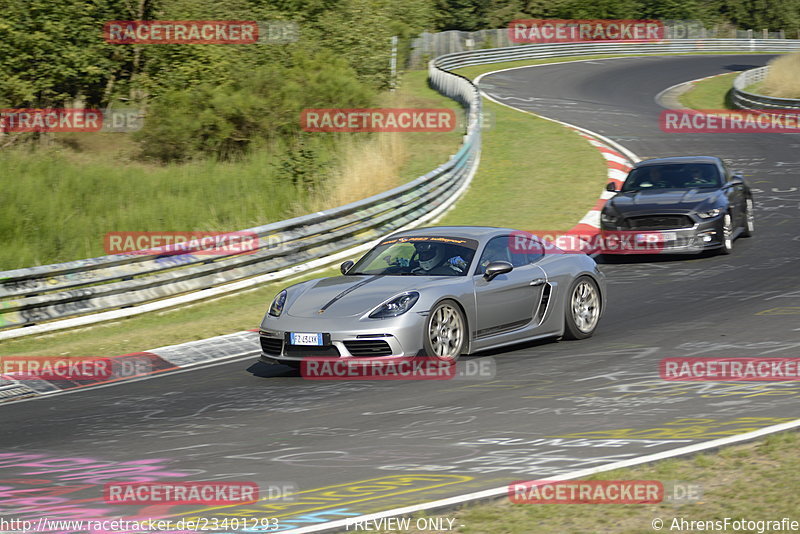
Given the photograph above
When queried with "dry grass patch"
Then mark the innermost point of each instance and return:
(783, 79)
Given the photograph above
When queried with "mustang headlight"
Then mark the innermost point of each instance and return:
(395, 306)
(276, 308)
(709, 214)
(608, 218)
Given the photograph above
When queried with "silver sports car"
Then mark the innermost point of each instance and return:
(438, 292)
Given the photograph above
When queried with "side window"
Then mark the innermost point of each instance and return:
(525, 249)
(518, 250)
(497, 249)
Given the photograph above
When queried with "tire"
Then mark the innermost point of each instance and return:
(445, 335)
(727, 235)
(750, 223)
(582, 309)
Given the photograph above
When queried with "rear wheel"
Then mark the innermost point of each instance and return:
(727, 234)
(750, 222)
(445, 332)
(582, 311)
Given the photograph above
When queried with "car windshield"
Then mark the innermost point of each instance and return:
(673, 176)
(418, 256)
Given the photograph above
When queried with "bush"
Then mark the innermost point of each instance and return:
(261, 105)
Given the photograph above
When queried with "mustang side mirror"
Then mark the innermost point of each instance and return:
(736, 179)
(495, 268)
(611, 186)
(346, 266)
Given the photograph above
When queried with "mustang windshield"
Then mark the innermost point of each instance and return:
(673, 176)
(418, 256)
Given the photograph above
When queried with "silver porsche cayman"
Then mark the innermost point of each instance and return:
(438, 292)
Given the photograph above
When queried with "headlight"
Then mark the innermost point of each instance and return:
(396, 306)
(710, 213)
(608, 218)
(276, 307)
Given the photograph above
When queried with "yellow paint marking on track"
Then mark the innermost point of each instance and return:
(329, 496)
(785, 310)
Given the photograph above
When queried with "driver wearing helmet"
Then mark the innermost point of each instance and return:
(433, 261)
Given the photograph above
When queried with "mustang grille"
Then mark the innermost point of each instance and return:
(659, 222)
(368, 347)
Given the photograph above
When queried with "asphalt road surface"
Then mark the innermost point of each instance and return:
(553, 407)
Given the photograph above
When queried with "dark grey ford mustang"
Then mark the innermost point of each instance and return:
(690, 204)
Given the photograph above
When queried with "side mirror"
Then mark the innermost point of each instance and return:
(495, 268)
(736, 179)
(612, 187)
(346, 266)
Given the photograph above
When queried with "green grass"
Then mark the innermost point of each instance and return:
(534, 175)
(56, 205)
(753, 481)
(428, 150)
(713, 93)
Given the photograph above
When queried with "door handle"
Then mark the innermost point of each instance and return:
(537, 282)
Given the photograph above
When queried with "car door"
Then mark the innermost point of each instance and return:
(508, 301)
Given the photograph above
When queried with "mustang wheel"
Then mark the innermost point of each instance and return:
(727, 235)
(750, 224)
(582, 309)
(445, 331)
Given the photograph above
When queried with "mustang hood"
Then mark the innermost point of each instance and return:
(343, 296)
(687, 200)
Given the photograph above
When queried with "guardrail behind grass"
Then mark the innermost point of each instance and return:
(743, 99)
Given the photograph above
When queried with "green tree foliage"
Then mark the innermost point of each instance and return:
(259, 105)
(475, 15)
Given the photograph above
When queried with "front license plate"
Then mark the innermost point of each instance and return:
(657, 237)
(306, 339)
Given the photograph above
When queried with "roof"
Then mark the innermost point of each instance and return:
(679, 160)
(471, 232)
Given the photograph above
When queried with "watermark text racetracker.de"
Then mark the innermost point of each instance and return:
(574, 30)
(378, 120)
(599, 242)
(58, 120)
(405, 368)
(70, 368)
(729, 121)
(603, 492)
(169, 242)
(200, 32)
(730, 369)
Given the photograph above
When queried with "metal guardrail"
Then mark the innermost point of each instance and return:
(50, 294)
(743, 99)
(554, 50)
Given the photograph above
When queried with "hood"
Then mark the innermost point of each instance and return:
(683, 200)
(343, 296)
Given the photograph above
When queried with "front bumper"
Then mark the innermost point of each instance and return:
(704, 235)
(398, 337)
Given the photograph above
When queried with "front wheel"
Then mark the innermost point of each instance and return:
(750, 221)
(727, 235)
(445, 332)
(582, 311)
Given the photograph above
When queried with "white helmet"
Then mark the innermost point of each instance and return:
(430, 255)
